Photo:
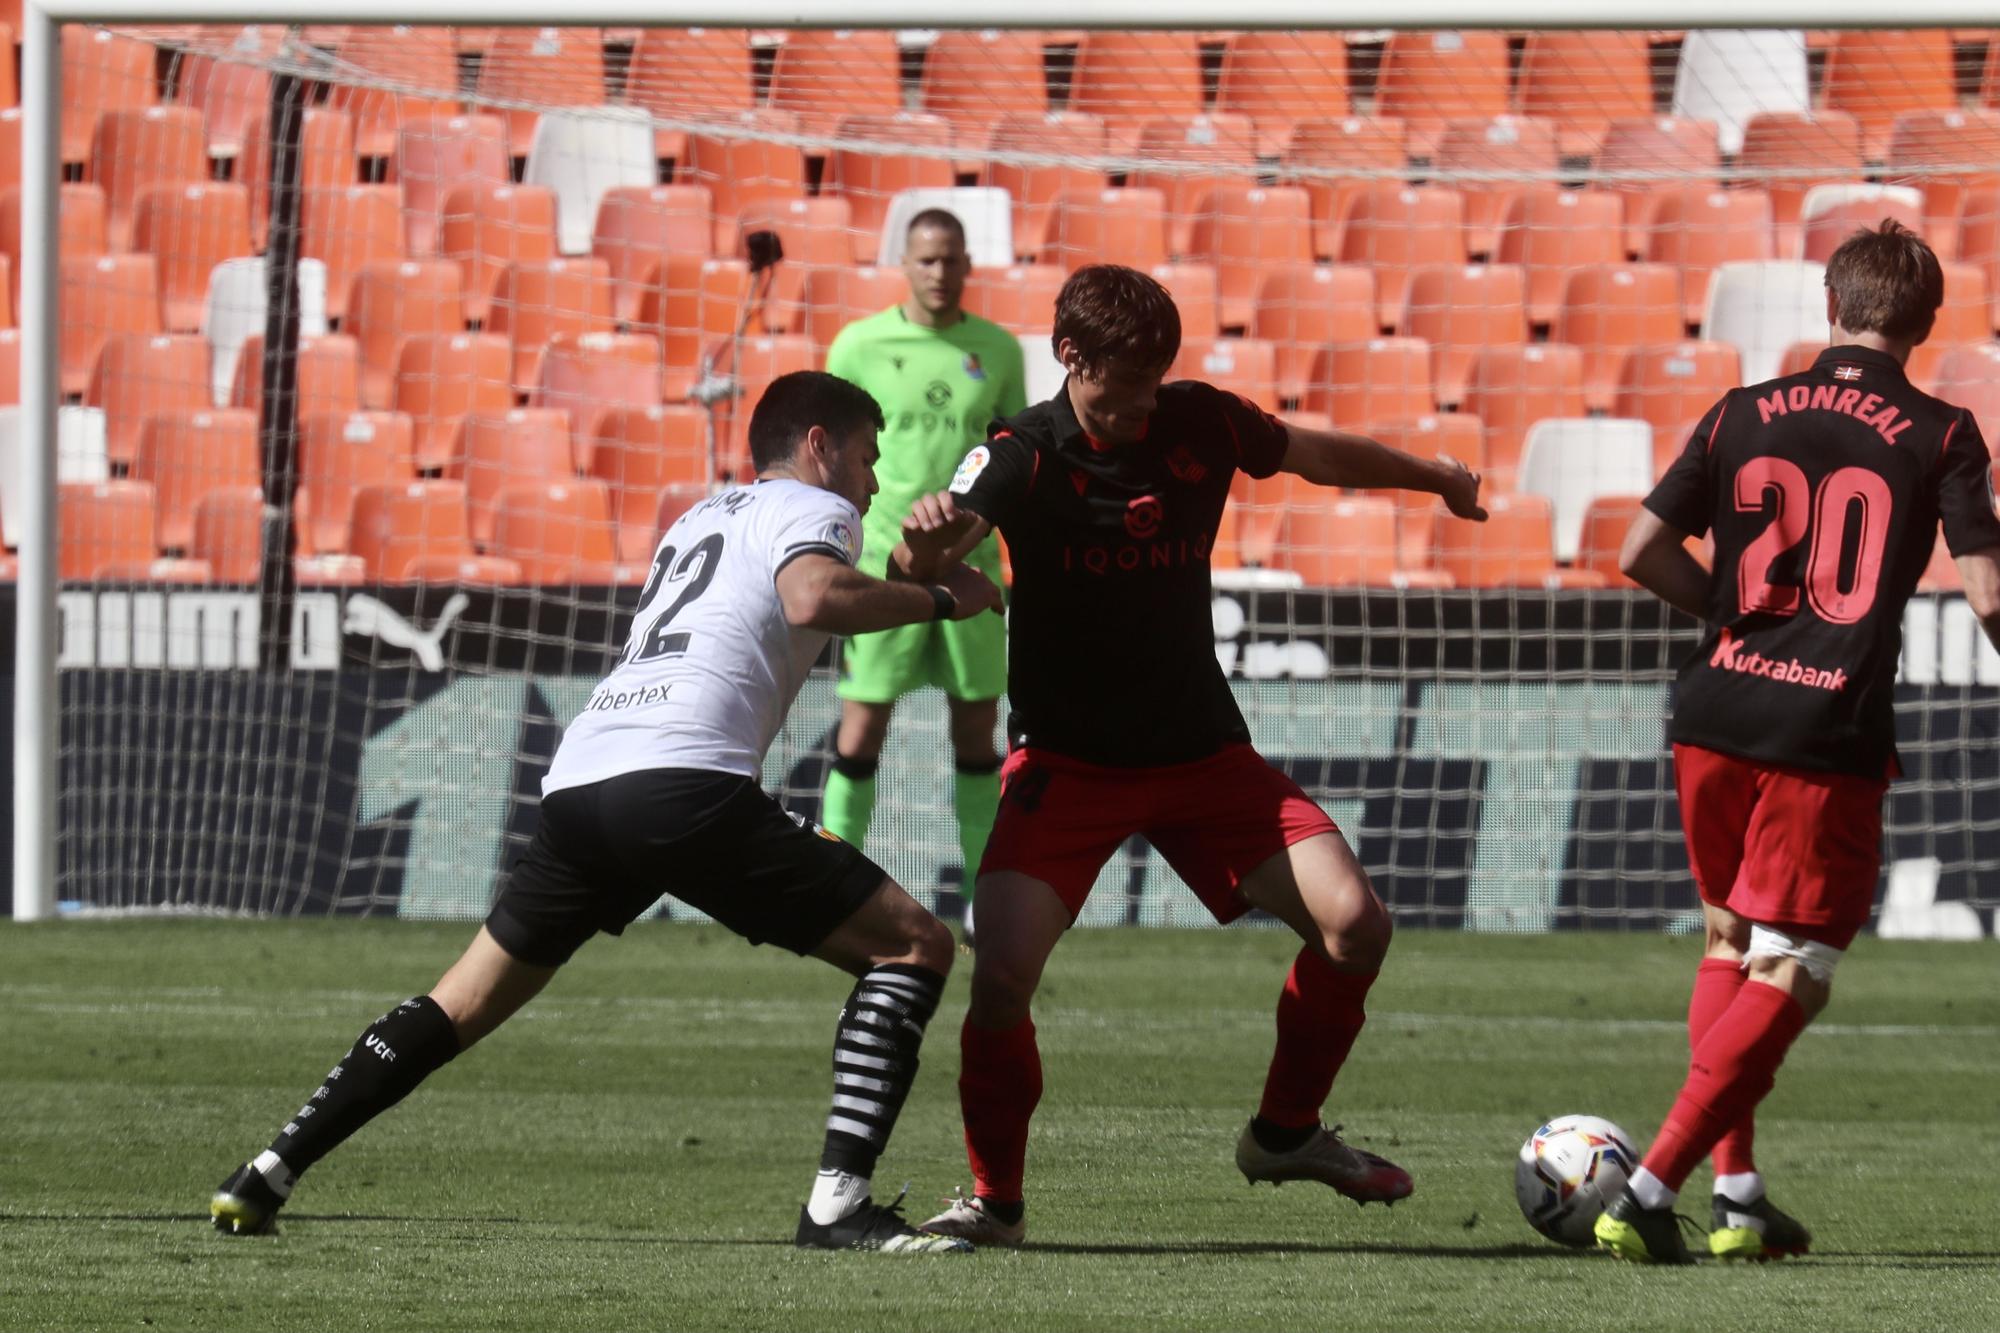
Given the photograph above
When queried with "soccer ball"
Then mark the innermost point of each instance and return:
(1569, 1171)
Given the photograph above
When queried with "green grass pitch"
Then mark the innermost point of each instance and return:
(632, 1151)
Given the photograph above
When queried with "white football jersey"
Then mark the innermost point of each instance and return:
(712, 666)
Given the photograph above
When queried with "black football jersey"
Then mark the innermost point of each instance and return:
(1824, 490)
(1111, 647)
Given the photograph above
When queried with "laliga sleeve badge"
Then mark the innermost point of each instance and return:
(969, 470)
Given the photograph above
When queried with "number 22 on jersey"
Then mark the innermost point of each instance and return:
(688, 578)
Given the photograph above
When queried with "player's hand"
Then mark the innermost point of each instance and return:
(974, 591)
(932, 517)
(1460, 491)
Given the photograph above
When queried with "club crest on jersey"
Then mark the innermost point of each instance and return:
(1847, 372)
(969, 470)
(973, 370)
(1181, 462)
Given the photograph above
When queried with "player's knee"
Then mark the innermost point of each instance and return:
(932, 946)
(1800, 966)
(1361, 944)
(1000, 994)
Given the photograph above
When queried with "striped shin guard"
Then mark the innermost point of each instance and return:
(875, 1062)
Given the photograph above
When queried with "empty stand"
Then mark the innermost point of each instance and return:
(339, 453)
(521, 446)
(102, 296)
(1460, 308)
(1763, 309)
(1652, 153)
(1609, 309)
(741, 173)
(184, 455)
(695, 301)
(444, 378)
(132, 151)
(832, 298)
(1225, 147)
(1520, 152)
(326, 161)
(1127, 78)
(1303, 307)
(641, 453)
(328, 374)
(189, 229)
(1278, 79)
(435, 156)
(1930, 149)
(536, 302)
(1430, 78)
(823, 75)
(138, 374)
(1511, 549)
(235, 310)
(1333, 160)
(1085, 225)
(1729, 76)
(975, 79)
(582, 154)
(103, 525)
(541, 66)
(690, 73)
(1573, 461)
(1582, 81)
(1383, 379)
(389, 302)
(227, 92)
(636, 226)
(587, 375)
(1877, 74)
(228, 533)
(488, 228)
(1548, 231)
(868, 177)
(1034, 187)
(1510, 388)
(557, 532)
(104, 74)
(1699, 227)
(1670, 384)
(417, 531)
(1397, 228)
(394, 59)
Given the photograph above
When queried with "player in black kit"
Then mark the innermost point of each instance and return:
(1109, 496)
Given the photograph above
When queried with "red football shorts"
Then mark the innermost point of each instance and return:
(1783, 847)
(1214, 820)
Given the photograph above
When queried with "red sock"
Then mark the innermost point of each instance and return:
(1716, 982)
(999, 1083)
(1730, 1073)
(1319, 1016)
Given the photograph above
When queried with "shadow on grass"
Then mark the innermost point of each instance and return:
(7, 1218)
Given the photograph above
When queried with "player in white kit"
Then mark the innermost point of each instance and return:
(655, 790)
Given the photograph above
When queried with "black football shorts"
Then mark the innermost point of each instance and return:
(606, 851)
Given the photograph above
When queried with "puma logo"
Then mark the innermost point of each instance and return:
(372, 618)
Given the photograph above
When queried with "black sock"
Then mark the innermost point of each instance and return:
(398, 1051)
(875, 1062)
(1280, 1138)
(853, 769)
(1011, 1212)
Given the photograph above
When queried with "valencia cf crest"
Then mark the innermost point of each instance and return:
(1847, 372)
(973, 370)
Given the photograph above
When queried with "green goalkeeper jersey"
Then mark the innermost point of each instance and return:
(938, 389)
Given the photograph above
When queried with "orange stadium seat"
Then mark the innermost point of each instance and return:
(487, 228)
(10, 367)
(1383, 379)
(1429, 78)
(1965, 317)
(1979, 236)
(104, 73)
(184, 455)
(1699, 227)
(741, 173)
(869, 180)
(1609, 309)
(1877, 74)
(1969, 375)
(443, 378)
(1032, 189)
(10, 90)
(1454, 435)
(816, 234)
(79, 220)
(135, 150)
(389, 302)
(1020, 298)
(695, 302)
(638, 224)
(1127, 78)
(588, 375)
(688, 73)
(1281, 78)
(10, 146)
(1245, 232)
(227, 92)
(640, 453)
(189, 229)
(1944, 139)
(1332, 540)
(1825, 230)
(1605, 524)
(326, 162)
(1668, 385)
(758, 362)
(1548, 230)
(824, 75)
(138, 374)
(975, 79)
(1514, 548)
(1303, 307)
(1460, 308)
(544, 66)
(348, 229)
(102, 525)
(536, 302)
(833, 298)
(1196, 294)
(1509, 389)
(1395, 228)
(436, 156)
(329, 374)
(1826, 142)
(228, 533)
(1511, 144)
(1582, 81)
(1799, 357)
(392, 59)
(1225, 146)
(1656, 150)
(557, 532)
(1246, 367)
(1086, 226)
(339, 453)
(1316, 154)
(102, 296)
(526, 444)
(416, 532)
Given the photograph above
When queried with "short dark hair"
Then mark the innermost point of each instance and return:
(1114, 313)
(795, 403)
(942, 218)
(1886, 281)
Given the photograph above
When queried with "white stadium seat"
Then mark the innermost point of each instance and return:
(1045, 373)
(582, 153)
(1729, 76)
(1763, 307)
(235, 310)
(1574, 460)
(80, 456)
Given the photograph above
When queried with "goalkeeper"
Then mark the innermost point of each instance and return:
(940, 375)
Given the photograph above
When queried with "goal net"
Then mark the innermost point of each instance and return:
(366, 443)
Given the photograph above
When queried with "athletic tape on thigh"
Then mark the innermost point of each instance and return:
(1817, 959)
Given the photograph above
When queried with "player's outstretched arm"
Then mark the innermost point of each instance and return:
(1980, 572)
(937, 534)
(819, 592)
(1655, 557)
(1341, 458)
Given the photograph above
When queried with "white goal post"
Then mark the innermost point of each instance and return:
(38, 703)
